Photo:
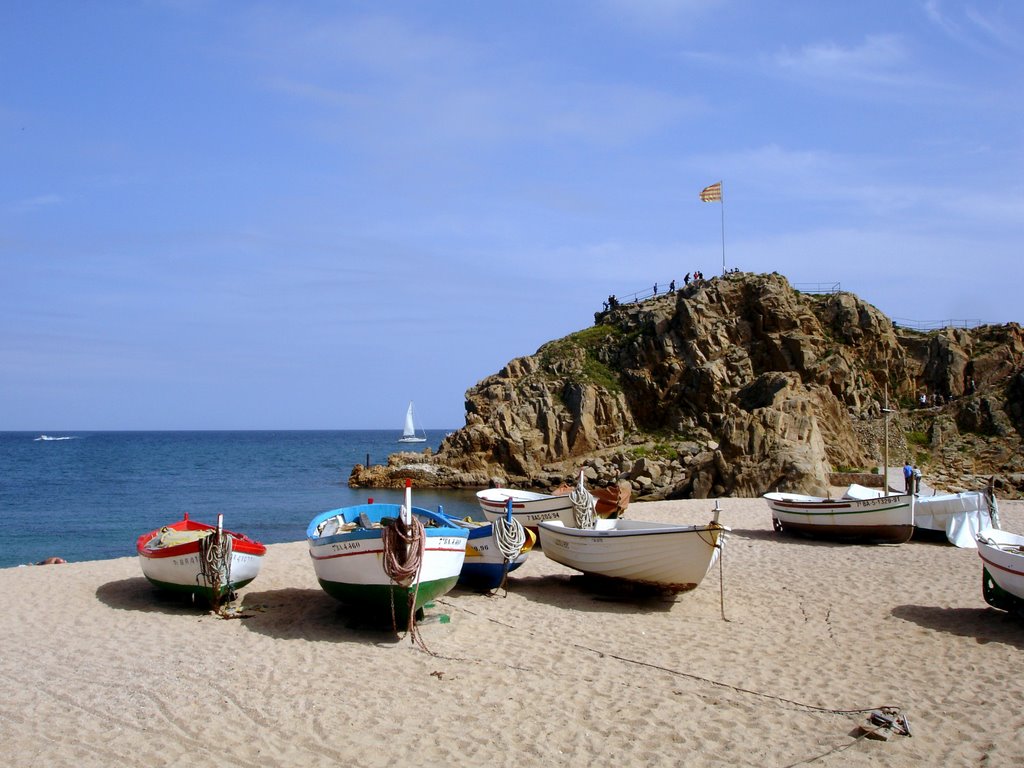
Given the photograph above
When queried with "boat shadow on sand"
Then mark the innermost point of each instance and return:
(137, 594)
(287, 614)
(985, 625)
(310, 614)
(592, 593)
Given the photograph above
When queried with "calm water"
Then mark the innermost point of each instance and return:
(89, 497)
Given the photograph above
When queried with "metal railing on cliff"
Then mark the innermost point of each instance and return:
(934, 325)
(660, 289)
(817, 287)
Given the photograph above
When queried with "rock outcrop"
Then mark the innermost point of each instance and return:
(734, 386)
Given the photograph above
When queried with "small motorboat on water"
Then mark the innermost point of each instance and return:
(193, 558)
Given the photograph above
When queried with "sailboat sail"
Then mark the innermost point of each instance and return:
(409, 432)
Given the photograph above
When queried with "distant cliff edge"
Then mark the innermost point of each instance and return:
(732, 387)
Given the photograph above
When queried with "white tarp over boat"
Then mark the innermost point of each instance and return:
(959, 515)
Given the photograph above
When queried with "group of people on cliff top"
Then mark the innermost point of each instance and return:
(695, 277)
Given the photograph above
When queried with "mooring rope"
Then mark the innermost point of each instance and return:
(403, 549)
(403, 545)
(509, 536)
(584, 507)
(215, 565)
(990, 500)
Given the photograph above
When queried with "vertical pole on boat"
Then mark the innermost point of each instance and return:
(407, 509)
(885, 446)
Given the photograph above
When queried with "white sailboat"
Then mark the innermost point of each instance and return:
(409, 432)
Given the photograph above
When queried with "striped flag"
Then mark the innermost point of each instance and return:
(711, 194)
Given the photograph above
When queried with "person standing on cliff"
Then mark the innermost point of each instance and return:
(908, 477)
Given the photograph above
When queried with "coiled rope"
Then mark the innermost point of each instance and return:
(403, 545)
(215, 565)
(584, 507)
(509, 536)
(403, 549)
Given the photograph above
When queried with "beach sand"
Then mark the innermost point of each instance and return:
(98, 670)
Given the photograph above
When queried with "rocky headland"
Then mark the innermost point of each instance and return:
(734, 386)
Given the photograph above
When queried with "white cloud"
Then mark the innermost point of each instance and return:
(879, 59)
(35, 203)
(988, 33)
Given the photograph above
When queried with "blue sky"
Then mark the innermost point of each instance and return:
(230, 215)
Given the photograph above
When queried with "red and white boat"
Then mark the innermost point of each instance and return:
(207, 561)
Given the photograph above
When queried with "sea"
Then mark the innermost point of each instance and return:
(90, 495)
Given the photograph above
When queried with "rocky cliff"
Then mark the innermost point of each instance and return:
(735, 386)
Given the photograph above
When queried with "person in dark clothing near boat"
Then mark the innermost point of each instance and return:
(908, 477)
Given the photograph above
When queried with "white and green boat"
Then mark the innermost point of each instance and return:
(380, 558)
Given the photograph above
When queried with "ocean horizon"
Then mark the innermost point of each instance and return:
(89, 495)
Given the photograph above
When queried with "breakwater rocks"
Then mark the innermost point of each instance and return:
(735, 386)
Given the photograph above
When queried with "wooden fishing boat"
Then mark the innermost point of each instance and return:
(528, 507)
(206, 561)
(386, 557)
(1002, 575)
(491, 553)
(956, 517)
(879, 520)
(670, 557)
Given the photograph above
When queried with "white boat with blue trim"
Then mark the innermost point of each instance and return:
(493, 550)
(383, 558)
(670, 557)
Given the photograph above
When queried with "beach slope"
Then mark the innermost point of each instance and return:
(99, 670)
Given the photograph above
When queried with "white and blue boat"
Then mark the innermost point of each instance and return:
(387, 559)
(493, 550)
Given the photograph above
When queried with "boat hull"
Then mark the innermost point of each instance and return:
(1002, 555)
(485, 567)
(881, 520)
(528, 508)
(177, 568)
(350, 565)
(670, 557)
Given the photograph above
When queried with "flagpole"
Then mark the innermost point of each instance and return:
(709, 195)
(722, 201)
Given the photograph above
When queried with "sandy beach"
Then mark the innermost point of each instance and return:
(99, 670)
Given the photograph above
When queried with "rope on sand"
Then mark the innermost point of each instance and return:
(691, 675)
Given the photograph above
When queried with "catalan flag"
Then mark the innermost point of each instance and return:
(712, 194)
